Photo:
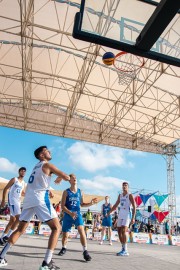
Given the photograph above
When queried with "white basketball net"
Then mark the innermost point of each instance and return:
(126, 78)
(127, 64)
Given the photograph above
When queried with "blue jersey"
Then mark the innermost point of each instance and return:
(106, 209)
(73, 200)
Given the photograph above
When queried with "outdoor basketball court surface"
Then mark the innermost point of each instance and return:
(29, 252)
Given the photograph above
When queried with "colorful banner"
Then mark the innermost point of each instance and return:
(141, 238)
(160, 239)
(160, 215)
(138, 200)
(146, 197)
(160, 198)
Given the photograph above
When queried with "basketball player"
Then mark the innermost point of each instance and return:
(37, 202)
(72, 200)
(16, 187)
(107, 221)
(125, 200)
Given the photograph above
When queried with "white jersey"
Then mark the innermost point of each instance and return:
(15, 191)
(37, 191)
(125, 204)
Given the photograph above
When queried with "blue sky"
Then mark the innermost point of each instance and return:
(99, 169)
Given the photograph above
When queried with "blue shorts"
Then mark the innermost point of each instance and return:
(68, 221)
(107, 222)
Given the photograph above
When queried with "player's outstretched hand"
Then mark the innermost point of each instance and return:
(58, 180)
(51, 195)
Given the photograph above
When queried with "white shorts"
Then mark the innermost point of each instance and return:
(43, 212)
(123, 222)
(15, 209)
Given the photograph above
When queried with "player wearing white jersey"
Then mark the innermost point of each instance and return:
(125, 200)
(16, 187)
(37, 202)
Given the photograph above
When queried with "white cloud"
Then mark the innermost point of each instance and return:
(8, 166)
(101, 185)
(135, 153)
(94, 157)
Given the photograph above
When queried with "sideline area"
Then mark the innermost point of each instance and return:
(29, 251)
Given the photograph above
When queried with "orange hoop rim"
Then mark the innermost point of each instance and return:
(124, 70)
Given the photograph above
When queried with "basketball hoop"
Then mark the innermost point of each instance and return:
(127, 65)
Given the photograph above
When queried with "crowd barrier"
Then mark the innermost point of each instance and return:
(140, 238)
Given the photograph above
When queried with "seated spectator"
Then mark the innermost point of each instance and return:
(143, 227)
(158, 230)
(97, 224)
(135, 227)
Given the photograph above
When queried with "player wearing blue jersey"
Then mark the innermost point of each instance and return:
(16, 187)
(107, 221)
(37, 202)
(72, 200)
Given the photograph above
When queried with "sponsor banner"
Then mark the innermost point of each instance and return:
(160, 239)
(97, 236)
(30, 229)
(3, 224)
(141, 238)
(115, 236)
(44, 230)
(73, 233)
(175, 240)
(89, 234)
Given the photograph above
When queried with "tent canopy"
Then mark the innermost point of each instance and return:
(52, 83)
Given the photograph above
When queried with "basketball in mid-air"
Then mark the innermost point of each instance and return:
(108, 58)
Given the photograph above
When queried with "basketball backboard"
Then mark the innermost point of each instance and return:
(121, 24)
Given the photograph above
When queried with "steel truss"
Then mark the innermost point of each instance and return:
(54, 84)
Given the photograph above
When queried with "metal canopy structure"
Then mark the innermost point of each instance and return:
(54, 84)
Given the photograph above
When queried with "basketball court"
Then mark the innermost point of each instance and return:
(29, 253)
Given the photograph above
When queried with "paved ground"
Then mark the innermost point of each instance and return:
(29, 252)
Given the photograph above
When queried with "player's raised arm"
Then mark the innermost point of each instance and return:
(49, 168)
(83, 204)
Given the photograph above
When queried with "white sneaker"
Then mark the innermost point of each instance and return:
(101, 243)
(125, 253)
(3, 262)
(110, 243)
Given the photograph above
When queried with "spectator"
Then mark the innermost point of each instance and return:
(97, 224)
(158, 230)
(58, 208)
(135, 227)
(143, 228)
(167, 227)
(115, 218)
(150, 227)
(89, 217)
